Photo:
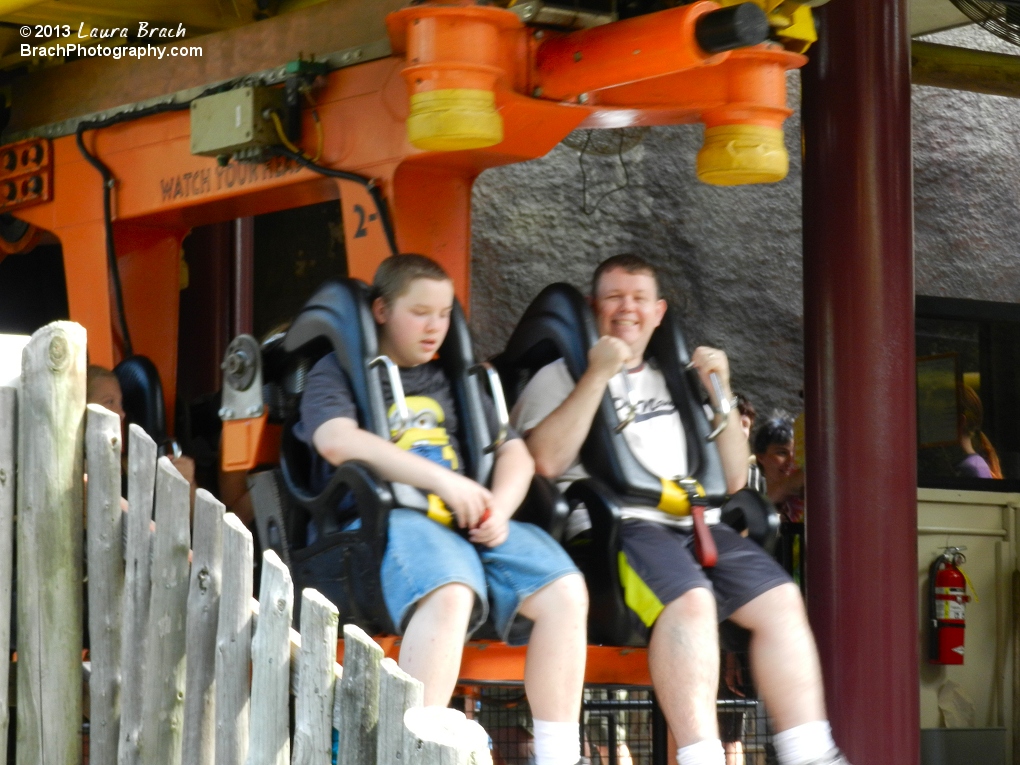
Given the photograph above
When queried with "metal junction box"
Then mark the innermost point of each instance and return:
(235, 121)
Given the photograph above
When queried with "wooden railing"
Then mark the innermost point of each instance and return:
(183, 665)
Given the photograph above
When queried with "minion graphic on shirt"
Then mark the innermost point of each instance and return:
(426, 434)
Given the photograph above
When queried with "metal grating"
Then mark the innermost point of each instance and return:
(621, 725)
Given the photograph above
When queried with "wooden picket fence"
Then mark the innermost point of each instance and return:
(184, 665)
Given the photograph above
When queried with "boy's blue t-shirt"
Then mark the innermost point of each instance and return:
(435, 429)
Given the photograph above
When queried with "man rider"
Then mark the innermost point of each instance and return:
(679, 602)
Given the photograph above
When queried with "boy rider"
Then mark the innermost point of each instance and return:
(675, 598)
(439, 586)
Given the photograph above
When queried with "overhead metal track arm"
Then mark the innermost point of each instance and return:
(946, 66)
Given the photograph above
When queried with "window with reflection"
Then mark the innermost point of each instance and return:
(968, 394)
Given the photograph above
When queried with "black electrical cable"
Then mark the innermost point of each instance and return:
(108, 185)
(584, 176)
(370, 185)
(111, 253)
(109, 182)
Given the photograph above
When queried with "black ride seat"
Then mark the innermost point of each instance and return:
(143, 402)
(560, 324)
(344, 565)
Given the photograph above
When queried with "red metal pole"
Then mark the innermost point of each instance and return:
(860, 378)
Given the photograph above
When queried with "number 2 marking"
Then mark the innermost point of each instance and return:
(361, 230)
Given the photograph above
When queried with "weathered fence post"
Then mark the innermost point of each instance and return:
(313, 709)
(270, 681)
(358, 698)
(106, 581)
(8, 448)
(137, 590)
(442, 736)
(51, 434)
(164, 671)
(233, 644)
(398, 692)
(203, 617)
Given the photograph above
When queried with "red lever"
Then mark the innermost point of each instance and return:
(704, 545)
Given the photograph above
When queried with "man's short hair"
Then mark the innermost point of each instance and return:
(395, 274)
(776, 429)
(745, 407)
(632, 264)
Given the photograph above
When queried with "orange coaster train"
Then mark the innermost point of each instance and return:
(467, 87)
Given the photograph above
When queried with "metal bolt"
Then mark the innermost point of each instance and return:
(577, 55)
(254, 411)
(226, 413)
(583, 98)
(537, 93)
(539, 34)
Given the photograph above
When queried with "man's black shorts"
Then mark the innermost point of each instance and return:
(657, 566)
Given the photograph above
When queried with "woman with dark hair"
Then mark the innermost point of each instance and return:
(981, 460)
(773, 447)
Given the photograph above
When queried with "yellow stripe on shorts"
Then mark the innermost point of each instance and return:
(638, 595)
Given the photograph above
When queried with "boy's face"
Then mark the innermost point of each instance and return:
(414, 325)
(628, 306)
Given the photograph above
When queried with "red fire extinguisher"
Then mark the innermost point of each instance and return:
(947, 598)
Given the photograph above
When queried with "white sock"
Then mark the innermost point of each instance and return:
(804, 743)
(556, 743)
(708, 752)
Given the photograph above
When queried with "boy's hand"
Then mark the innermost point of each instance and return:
(493, 528)
(467, 499)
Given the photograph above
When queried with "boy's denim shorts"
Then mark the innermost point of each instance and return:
(421, 556)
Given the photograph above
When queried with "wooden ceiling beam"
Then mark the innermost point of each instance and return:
(93, 85)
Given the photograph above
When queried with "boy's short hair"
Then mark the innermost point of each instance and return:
(395, 274)
(777, 429)
(632, 264)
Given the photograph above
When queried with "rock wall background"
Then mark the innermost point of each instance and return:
(731, 258)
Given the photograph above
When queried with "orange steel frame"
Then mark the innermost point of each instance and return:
(487, 661)
(162, 190)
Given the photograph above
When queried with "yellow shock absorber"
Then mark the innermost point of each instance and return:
(439, 512)
(676, 500)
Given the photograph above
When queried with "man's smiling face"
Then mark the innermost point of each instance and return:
(628, 306)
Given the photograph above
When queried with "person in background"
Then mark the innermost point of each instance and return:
(981, 460)
(102, 387)
(774, 450)
(748, 415)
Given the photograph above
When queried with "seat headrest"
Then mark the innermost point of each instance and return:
(338, 318)
(557, 324)
(143, 395)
